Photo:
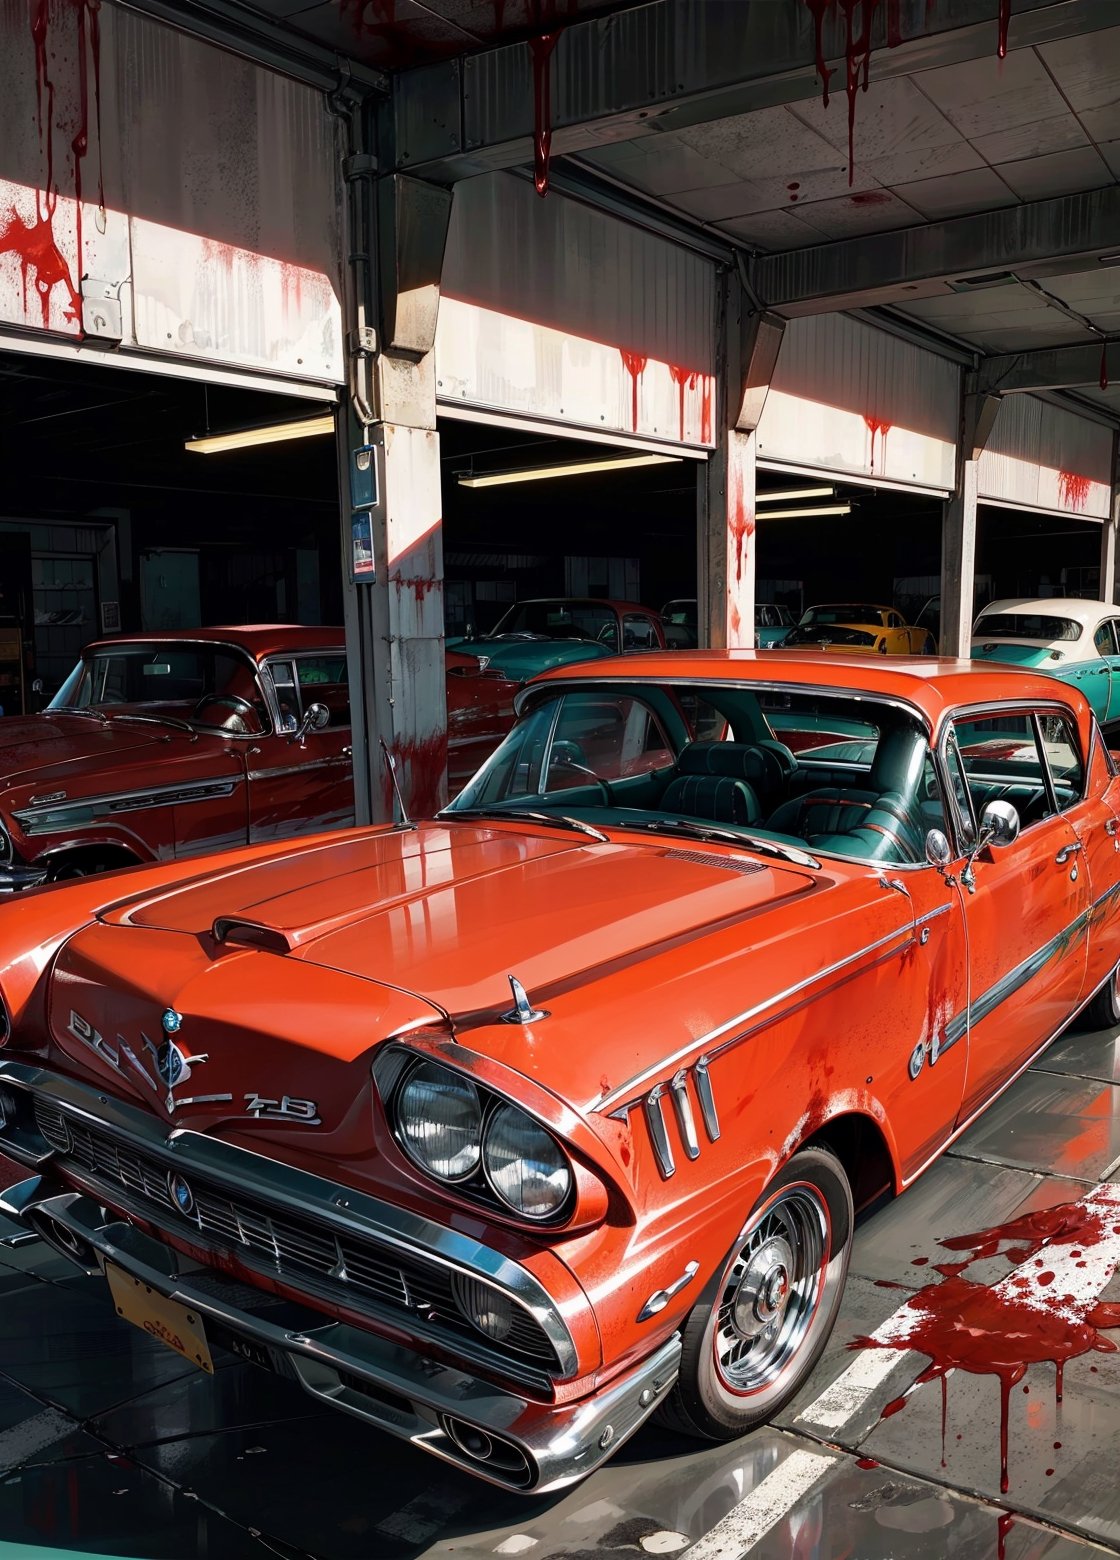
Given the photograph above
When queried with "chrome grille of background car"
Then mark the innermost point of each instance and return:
(297, 1248)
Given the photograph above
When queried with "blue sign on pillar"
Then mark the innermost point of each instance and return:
(364, 497)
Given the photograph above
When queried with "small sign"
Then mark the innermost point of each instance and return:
(110, 617)
(364, 485)
(361, 560)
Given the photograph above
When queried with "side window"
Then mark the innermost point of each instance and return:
(1104, 639)
(705, 721)
(959, 785)
(322, 680)
(1114, 624)
(284, 685)
(637, 632)
(1063, 755)
(1002, 763)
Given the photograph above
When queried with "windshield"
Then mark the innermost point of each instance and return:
(207, 685)
(1026, 625)
(561, 620)
(822, 772)
(829, 634)
(842, 614)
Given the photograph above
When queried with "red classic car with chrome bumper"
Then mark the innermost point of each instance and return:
(507, 1130)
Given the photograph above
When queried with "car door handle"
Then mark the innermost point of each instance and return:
(1067, 851)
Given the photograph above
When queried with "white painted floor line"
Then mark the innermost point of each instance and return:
(1082, 1277)
(34, 1435)
(770, 1500)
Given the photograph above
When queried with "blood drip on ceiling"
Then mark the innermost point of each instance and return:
(36, 244)
(635, 366)
(858, 47)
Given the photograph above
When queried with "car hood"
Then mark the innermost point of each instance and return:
(1014, 652)
(50, 748)
(521, 659)
(365, 937)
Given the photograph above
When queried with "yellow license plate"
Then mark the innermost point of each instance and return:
(170, 1322)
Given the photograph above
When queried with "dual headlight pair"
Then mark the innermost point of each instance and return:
(455, 1134)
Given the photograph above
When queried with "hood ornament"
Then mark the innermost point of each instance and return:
(522, 1011)
(172, 1062)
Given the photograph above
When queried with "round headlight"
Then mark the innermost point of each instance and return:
(525, 1165)
(439, 1118)
(488, 1309)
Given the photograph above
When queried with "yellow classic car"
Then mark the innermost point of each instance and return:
(858, 629)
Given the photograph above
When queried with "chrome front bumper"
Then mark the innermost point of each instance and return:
(510, 1441)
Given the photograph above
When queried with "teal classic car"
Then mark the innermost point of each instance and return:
(772, 623)
(1076, 641)
(558, 630)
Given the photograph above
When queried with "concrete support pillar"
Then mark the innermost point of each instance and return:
(746, 351)
(958, 532)
(392, 501)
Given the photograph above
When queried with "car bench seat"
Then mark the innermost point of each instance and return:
(880, 822)
(709, 787)
(763, 766)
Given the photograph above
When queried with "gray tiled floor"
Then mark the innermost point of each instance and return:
(111, 1446)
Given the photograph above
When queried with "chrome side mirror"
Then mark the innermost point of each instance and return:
(938, 850)
(999, 824)
(315, 717)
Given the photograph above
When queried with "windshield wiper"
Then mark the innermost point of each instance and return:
(159, 720)
(524, 815)
(695, 829)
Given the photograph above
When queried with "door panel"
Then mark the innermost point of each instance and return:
(1096, 822)
(1028, 915)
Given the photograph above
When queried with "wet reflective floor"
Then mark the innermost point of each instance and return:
(997, 1267)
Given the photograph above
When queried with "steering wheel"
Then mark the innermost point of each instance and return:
(564, 758)
(230, 701)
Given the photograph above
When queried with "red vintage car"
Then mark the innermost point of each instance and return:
(170, 744)
(507, 1130)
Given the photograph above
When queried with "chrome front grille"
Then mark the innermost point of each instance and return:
(346, 1267)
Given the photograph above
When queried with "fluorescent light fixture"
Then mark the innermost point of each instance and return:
(571, 468)
(269, 433)
(780, 495)
(805, 514)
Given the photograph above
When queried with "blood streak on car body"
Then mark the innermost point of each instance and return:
(553, 1112)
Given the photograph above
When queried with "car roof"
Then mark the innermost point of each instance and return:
(1076, 607)
(259, 639)
(932, 684)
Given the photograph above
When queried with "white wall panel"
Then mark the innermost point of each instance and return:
(1042, 457)
(851, 400)
(209, 206)
(551, 309)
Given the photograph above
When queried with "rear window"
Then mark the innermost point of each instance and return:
(828, 634)
(1027, 625)
(842, 614)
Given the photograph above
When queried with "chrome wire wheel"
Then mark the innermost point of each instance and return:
(755, 1334)
(1104, 1010)
(771, 1290)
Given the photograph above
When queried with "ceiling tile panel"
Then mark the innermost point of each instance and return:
(1035, 140)
(1101, 124)
(892, 117)
(866, 211)
(1062, 173)
(1088, 291)
(773, 230)
(1110, 151)
(905, 167)
(1087, 67)
(770, 138)
(958, 194)
(983, 97)
(658, 164)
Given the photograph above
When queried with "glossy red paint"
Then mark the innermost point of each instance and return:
(1073, 490)
(541, 51)
(635, 365)
(1002, 1330)
(877, 427)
